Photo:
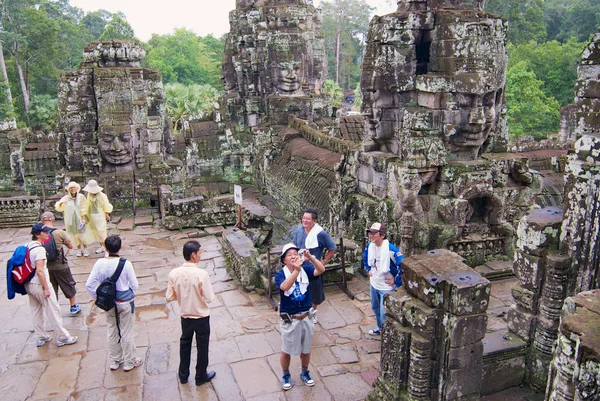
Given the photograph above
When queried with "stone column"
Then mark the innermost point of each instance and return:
(575, 369)
(432, 338)
(542, 272)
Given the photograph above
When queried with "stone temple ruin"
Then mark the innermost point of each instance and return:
(428, 156)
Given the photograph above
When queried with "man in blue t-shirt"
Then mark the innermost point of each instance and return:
(296, 326)
(311, 236)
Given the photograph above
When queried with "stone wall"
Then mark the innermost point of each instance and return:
(19, 211)
(557, 255)
(432, 337)
(301, 175)
(575, 370)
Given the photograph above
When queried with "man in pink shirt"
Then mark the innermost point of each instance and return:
(190, 286)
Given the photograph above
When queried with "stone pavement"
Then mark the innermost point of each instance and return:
(244, 345)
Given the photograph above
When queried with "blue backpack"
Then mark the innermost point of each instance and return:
(19, 271)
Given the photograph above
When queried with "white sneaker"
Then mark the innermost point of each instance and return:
(133, 364)
(99, 250)
(78, 253)
(85, 253)
(40, 341)
(66, 341)
(114, 365)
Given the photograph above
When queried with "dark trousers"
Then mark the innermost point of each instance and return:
(202, 329)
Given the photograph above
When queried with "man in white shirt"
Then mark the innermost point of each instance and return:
(121, 345)
(382, 260)
(41, 298)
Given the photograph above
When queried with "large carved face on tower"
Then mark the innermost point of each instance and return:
(471, 120)
(116, 146)
(286, 77)
(444, 89)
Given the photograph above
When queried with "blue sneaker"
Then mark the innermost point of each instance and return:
(305, 376)
(75, 309)
(286, 382)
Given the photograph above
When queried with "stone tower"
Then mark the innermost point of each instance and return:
(275, 62)
(433, 85)
(112, 113)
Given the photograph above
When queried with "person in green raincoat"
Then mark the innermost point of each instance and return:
(74, 208)
(98, 209)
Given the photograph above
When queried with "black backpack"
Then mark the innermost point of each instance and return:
(106, 293)
(52, 251)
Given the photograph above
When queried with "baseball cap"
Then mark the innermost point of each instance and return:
(47, 216)
(378, 228)
(39, 227)
(286, 248)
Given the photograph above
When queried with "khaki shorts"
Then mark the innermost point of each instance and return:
(296, 337)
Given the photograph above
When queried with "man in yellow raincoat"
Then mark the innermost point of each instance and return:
(97, 213)
(74, 207)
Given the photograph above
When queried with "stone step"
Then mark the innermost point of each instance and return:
(503, 361)
(497, 270)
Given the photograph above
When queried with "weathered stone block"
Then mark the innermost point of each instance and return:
(441, 280)
(465, 356)
(243, 257)
(463, 330)
(540, 230)
(520, 322)
(525, 298)
(462, 384)
(529, 269)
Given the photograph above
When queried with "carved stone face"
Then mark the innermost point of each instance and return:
(116, 148)
(473, 118)
(286, 77)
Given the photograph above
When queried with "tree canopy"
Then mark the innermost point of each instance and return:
(530, 111)
(186, 58)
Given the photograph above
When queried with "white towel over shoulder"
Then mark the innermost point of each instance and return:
(302, 280)
(311, 239)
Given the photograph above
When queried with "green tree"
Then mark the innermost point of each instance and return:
(345, 27)
(526, 20)
(529, 110)
(118, 28)
(186, 58)
(571, 19)
(333, 90)
(96, 21)
(43, 112)
(554, 64)
(31, 39)
(188, 101)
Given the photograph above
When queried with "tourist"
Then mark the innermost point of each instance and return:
(74, 207)
(41, 299)
(98, 213)
(190, 286)
(382, 260)
(60, 272)
(119, 320)
(296, 325)
(311, 236)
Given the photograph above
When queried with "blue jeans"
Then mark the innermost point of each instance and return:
(377, 305)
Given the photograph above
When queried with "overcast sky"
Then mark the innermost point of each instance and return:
(201, 16)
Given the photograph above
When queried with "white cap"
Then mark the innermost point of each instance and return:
(286, 248)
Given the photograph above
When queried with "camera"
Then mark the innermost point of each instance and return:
(285, 317)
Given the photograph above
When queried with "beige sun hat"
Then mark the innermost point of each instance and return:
(92, 187)
(73, 184)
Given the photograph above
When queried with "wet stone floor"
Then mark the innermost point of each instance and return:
(244, 343)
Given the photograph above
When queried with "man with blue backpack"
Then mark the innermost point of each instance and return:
(41, 297)
(382, 260)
